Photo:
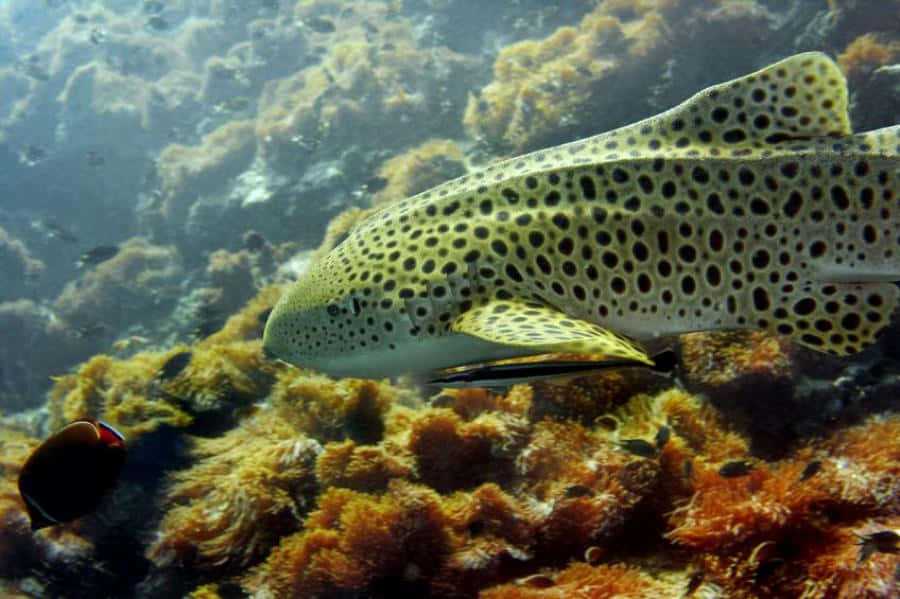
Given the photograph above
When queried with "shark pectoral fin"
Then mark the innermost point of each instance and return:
(545, 330)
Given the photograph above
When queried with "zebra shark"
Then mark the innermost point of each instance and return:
(750, 205)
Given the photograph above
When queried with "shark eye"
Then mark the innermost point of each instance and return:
(333, 310)
(354, 306)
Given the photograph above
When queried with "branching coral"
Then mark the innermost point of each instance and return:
(246, 489)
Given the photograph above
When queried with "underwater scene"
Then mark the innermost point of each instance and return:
(452, 299)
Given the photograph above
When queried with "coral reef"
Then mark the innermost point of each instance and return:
(189, 171)
(756, 470)
(418, 169)
(24, 554)
(542, 87)
(140, 280)
(18, 266)
(865, 54)
(246, 489)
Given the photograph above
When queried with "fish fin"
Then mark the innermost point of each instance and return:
(545, 330)
(838, 318)
(799, 97)
(883, 142)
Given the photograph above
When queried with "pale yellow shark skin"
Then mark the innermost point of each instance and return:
(750, 205)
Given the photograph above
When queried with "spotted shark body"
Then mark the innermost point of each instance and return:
(750, 205)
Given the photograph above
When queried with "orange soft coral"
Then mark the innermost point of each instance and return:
(451, 454)
(364, 468)
(245, 490)
(749, 530)
(865, 53)
(330, 410)
(354, 540)
(418, 169)
(581, 580)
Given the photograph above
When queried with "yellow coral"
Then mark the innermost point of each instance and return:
(418, 169)
(117, 392)
(541, 85)
(353, 538)
(187, 169)
(245, 490)
(124, 285)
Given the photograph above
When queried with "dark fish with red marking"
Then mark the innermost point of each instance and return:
(68, 474)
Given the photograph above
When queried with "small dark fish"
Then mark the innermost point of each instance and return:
(95, 256)
(80, 18)
(593, 555)
(253, 241)
(173, 366)
(35, 72)
(735, 469)
(97, 36)
(89, 331)
(207, 327)
(157, 23)
(320, 24)
(31, 155)
(662, 437)
(688, 468)
(375, 184)
(206, 311)
(606, 422)
(152, 7)
(441, 401)
(95, 159)
(235, 104)
(883, 541)
(578, 491)
(694, 582)
(263, 316)
(765, 570)
(536, 581)
(68, 474)
(811, 469)
(639, 447)
(53, 230)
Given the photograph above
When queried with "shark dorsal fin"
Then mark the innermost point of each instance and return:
(801, 97)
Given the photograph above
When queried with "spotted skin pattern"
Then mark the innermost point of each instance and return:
(750, 205)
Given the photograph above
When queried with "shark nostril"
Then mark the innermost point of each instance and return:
(268, 353)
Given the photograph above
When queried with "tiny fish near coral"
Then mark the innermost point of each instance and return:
(96, 255)
(750, 205)
(883, 541)
(735, 469)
